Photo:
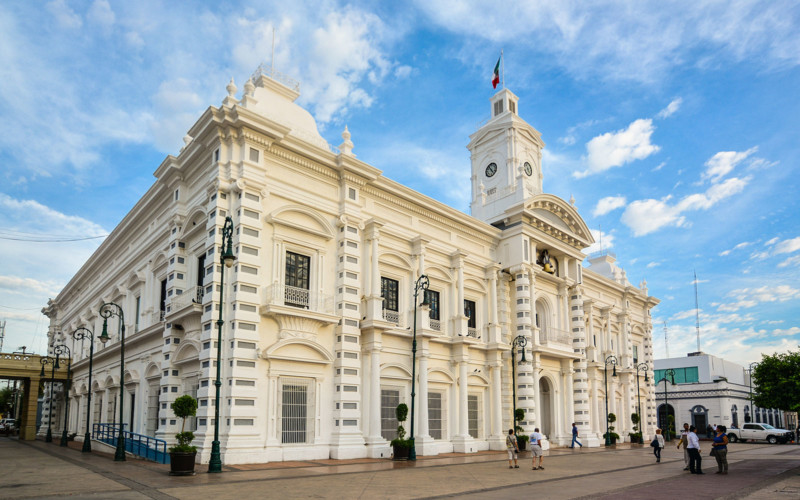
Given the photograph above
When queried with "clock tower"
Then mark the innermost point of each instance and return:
(506, 155)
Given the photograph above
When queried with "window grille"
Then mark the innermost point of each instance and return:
(432, 298)
(111, 410)
(435, 415)
(296, 410)
(389, 292)
(390, 398)
(98, 408)
(473, 414)
(153, 393)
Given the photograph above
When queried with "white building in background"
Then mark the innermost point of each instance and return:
(318, 308)
(708, 390)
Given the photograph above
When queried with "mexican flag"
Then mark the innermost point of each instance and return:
(496, 74)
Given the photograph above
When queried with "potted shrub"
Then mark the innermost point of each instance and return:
(182, 455)
(400, 445)
(611, 434)
(522, 440)
(636, 435)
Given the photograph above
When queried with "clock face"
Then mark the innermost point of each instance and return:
(528, 169)
(491, 169)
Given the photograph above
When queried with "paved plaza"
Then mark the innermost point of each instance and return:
(36, 469)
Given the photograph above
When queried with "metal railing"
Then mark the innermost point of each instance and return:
(472, 332)
(554, 335)
(279, 77)
(436, 325)
(278, 294)
(138, 444)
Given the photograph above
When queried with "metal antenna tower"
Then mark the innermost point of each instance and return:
(2, 333)
(697, 311)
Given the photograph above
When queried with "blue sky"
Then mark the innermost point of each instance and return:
(673, 124)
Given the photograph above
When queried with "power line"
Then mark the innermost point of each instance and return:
(49, 239)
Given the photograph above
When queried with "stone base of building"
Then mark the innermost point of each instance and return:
(346, 447)
(378, 448)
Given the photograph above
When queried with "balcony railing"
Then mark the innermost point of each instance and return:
(391, 316)
(186, 299)
(555, 336)
(436, 325)
(301, 298)
(472, 332)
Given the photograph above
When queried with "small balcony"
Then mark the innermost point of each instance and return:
(297, 310)
(391, 316)
(555, 337)
(186, 303)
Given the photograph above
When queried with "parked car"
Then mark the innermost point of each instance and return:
(760, 432)
(7, 425)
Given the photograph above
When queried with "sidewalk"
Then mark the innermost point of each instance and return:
(42, 470)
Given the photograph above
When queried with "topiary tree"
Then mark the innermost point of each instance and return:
(636, 435)
(401, 412)
(183, 408)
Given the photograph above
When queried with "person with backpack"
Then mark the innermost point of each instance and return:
(513, 449)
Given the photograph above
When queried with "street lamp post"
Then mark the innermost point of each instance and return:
(671, 373)
(63, 349)
(47, 360)
(107, 310)
(640, 367)
(227, 259)
(521, 342)
(80, 334)
(610, 360)
(752, 410)
(421, 284)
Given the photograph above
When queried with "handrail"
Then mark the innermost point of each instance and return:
(137, 444)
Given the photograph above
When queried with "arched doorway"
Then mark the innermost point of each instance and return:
(663, 412)
(700, 418)
(734, 416)
(545, 407)
(747, 418)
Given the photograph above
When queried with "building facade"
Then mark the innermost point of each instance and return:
(709, 391)
(319, 307)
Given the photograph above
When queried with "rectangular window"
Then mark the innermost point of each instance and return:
(389, 292)
(390, 398)
(473, 414)
(432, 298)
(163, 304)
(635, 353)
(254, 155)
(469, 312)
(153, 393)
(136, 318)
(435, 415)
(298, 270)
(295, 411)
(688, 375)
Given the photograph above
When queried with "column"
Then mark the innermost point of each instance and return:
(496, 439)
(580, 395)
(375, 396)
(569, 396)
(422, 395)
(463, 422)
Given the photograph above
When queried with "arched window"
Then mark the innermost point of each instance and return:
(734, 416)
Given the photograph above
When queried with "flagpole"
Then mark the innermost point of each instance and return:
(503, 68)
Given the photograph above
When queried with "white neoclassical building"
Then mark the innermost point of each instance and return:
(319, 306)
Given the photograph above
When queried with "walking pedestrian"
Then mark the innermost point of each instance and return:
(720, 447)
(685, 442)
(536, 449)
(695, 459)
(513, 449)
(659, 445)
(709, 431)
(575, 436)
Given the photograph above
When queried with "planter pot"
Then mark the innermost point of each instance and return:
(400, 452)
(182, 463)
(521, 445)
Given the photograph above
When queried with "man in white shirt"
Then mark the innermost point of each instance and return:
(695, 459)
(536, 449)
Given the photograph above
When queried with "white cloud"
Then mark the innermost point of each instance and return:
(101, 14)
(639, 41)
(647, 216)
(671, 108)
(65, 16)
(602, 241)
(618, 148)
(791, 261)
(608, 204)
(651, 265)
(737, 247)
(787, 246)
(24, 286)
(724, 162)
(751, 297)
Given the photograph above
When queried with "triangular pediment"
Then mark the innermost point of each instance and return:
(551, 214)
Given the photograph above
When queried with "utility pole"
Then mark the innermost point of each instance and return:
(2, 333)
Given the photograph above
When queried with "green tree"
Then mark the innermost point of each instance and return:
(6, 400)
(776, 381)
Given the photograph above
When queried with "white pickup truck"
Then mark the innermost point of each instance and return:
(760, 432)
